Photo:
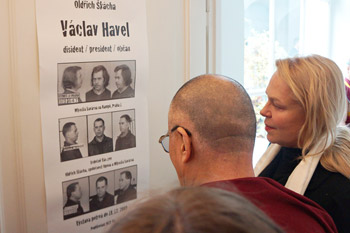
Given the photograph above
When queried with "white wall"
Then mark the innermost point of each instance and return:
(340, 33)
(166, 75)
(198, 40)
(22, 181)
(316, 28)
(22, 191)
(230, 39)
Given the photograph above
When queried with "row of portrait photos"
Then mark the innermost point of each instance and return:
(95, 81)
(91, 135)
(96, 192)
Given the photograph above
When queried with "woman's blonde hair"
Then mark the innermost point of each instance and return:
(318, 84)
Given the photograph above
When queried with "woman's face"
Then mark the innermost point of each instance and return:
(283, 114)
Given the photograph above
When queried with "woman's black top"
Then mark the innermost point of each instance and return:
(331, 190)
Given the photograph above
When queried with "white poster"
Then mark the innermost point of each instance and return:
(93, 78)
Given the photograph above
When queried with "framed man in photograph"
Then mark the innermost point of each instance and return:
(70, 149)
(102, 199)
(126, 191)
(71, 82)
(125, 139)
(123, 82)
(100, 144)
(99, 83)
(72, 208)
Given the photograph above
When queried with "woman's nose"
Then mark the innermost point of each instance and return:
(265, 112)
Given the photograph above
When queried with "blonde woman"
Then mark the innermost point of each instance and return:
(309, 152)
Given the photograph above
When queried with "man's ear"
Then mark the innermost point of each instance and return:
(186, 147)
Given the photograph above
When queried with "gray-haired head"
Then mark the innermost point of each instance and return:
(219, 109)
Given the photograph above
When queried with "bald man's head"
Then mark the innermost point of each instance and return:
(220, 111)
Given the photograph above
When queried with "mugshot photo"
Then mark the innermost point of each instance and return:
(100, 134)
(101, 191)
(125, 184)
(124, 74)
(95, 81)
(124, 129)
(73, 138)
(75, 197)
(69, 83)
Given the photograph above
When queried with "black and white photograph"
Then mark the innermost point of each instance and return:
(96, 192)
(100, 134)
(95, 81)
(124, 132)
(125, 184)
(73, 138)
(75, 197)
(101, 191)
(124, 77)
(70, 83)
(99, 85)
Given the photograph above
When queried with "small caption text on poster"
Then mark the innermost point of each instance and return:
(99, 107)
(96, 49)
(101, 216)
(107, 163)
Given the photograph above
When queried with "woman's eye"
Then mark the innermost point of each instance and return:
(278, 106)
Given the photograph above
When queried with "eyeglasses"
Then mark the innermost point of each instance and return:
(164, 140)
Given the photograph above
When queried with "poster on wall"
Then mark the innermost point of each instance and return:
(93, 78)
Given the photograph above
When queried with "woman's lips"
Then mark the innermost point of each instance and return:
(268, 128)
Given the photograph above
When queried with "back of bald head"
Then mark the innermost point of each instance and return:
(220, 110)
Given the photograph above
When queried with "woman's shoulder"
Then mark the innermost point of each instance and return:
(331, 190)
(327, 187)
(329, 180)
